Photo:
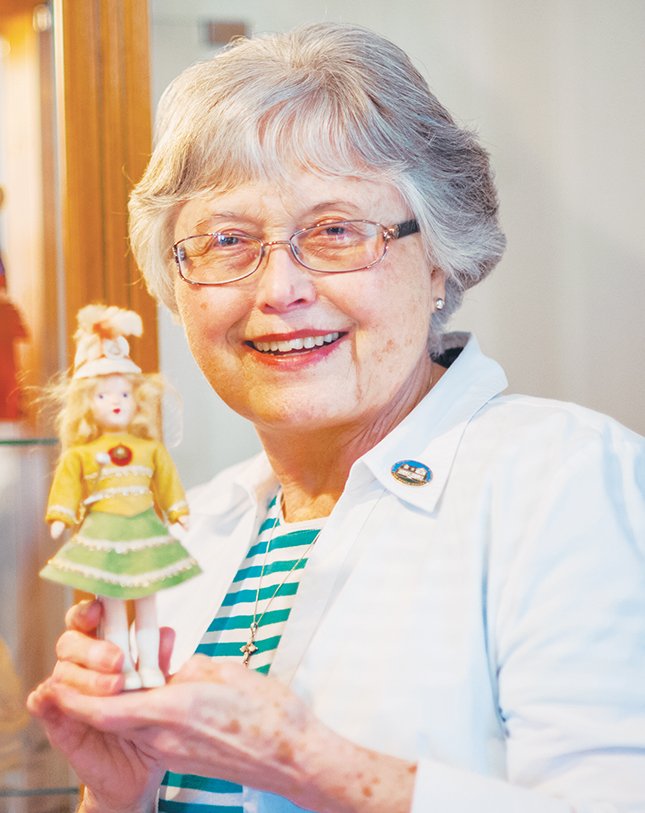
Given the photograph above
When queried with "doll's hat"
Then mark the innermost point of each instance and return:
(101, 346)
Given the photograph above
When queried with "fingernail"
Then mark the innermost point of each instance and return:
(109, 684)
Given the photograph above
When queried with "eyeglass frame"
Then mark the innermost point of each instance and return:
(395, 232)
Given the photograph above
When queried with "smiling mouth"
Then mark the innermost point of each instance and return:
(295, 345)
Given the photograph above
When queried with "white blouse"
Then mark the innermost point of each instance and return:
(489, 624)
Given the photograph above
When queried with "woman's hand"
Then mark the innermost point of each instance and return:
(219, 719)
(117, 774)
(213, 719)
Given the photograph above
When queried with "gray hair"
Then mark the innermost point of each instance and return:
(336, 100)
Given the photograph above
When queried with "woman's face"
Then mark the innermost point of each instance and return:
(252, 338)
(113, 405)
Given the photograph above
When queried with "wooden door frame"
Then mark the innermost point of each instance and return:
(102, 60)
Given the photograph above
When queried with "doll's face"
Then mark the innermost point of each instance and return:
(113, 405)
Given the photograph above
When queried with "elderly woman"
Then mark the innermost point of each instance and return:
(444, 584)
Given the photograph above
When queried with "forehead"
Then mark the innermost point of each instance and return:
(113, 383)
(294, 201)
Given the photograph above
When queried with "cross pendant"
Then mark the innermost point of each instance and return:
(249, 647)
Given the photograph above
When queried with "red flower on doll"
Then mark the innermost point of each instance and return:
(120, 455)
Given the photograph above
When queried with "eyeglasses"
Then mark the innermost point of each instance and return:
(330, 248)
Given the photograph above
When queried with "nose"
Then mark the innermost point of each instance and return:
(283, 284)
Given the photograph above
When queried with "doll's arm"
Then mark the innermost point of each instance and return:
(66, 492)
(167, 486)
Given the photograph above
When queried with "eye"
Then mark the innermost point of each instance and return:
(339, 232)
(232, 243)
(227, 240)
(334, 230)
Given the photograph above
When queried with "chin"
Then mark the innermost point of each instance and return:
(306, 419)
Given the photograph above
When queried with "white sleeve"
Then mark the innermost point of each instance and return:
(566, 627)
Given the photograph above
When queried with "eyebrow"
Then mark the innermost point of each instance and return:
(206, 224)
(331, 204)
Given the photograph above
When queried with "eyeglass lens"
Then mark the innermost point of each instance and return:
(331, 247)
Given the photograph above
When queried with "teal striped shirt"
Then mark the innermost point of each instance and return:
(288, 546)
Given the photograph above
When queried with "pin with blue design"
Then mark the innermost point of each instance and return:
(411, 473)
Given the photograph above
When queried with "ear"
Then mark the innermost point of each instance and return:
(438, 282)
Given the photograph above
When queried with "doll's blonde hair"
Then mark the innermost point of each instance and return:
(74, 421)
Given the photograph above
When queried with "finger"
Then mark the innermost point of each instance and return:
(90, 682)
(84, 616)
(42, 702)
(100, 656)
(39, 701)
(121, 713)
(166, 644)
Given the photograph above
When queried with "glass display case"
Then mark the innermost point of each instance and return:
(74, 132)
(33, 776)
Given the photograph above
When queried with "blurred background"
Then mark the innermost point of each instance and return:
(554, 90)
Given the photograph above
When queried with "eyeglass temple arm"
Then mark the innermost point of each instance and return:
(403, 229)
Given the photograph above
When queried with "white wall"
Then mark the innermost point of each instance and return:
(556, 92)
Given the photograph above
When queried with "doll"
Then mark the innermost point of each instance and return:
(112, 483)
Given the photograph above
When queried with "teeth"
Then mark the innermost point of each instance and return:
(306, 343)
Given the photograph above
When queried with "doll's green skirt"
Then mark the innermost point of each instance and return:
(121, 557)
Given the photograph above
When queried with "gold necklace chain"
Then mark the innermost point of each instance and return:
(249, 647)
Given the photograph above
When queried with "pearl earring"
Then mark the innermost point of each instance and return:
(439, 303)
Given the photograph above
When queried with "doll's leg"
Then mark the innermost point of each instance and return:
(115, 629)
(147, 632)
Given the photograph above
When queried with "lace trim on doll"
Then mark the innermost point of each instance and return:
(148, 579)
(117, 491)
(121, 471)
(109, 546)
(177, 507)
(61, 509)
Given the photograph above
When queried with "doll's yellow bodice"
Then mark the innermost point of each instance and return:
(117, 473)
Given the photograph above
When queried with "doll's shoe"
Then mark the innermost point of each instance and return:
(132, 681)
(151, 678)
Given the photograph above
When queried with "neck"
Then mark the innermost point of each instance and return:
(312, 466)
(309, 490)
